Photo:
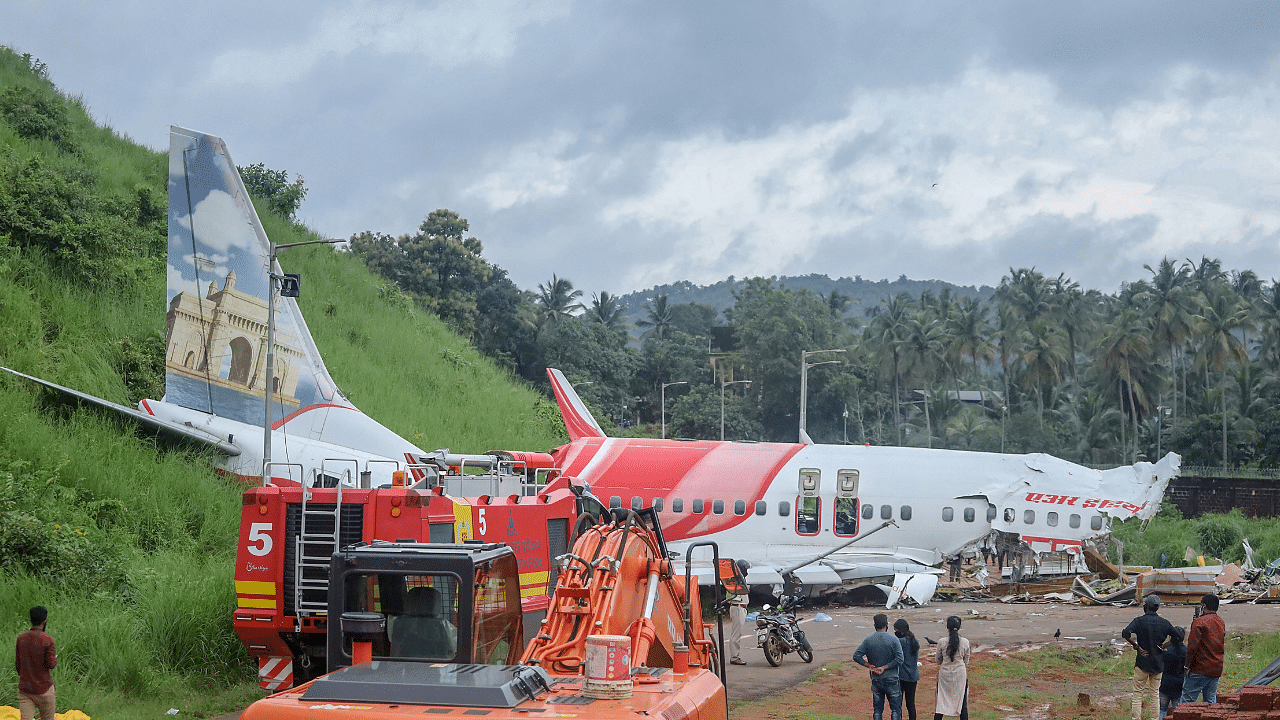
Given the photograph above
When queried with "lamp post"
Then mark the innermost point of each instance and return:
(1004, 412)
(288, 288)
(664, 404)
(1159, 412)
(804, 386)
(724, 385)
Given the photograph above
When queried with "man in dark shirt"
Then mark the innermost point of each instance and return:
(1206, 642)
(34, 658)
(881, 653)
(1147, 633)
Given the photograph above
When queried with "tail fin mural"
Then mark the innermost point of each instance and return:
(216, 325)
(577, 418)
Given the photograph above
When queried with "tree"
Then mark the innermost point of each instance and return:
(556, 300)
(696, 414)
(886, 333)
(273, 186)
(606, 310)
(1173, 300)
(1223, 315)
(923, 356)
(658, 317)
(1124, 355)
(1044, 353)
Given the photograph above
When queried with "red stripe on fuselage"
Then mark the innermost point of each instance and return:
(705, 470)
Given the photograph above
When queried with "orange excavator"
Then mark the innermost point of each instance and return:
(624, 635)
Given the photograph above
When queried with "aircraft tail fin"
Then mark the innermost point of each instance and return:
(216, 339)
(578, 420)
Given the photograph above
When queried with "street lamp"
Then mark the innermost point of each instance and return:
(1004, 412)
(288, 288)
(724, 385)
(804, 387)
(664, 405)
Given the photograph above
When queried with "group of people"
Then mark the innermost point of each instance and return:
(894, 662)
(1178, 673)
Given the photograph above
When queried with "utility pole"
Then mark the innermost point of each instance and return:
(804, 387)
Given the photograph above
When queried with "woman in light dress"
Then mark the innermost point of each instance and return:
(953, 674)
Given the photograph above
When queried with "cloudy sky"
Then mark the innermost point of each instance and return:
(625, 144)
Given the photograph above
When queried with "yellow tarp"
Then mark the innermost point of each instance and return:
(11, 713)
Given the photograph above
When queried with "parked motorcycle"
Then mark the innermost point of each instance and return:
(778, 632)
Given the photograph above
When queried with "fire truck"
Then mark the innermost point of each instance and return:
(289, 531)
(429, 630)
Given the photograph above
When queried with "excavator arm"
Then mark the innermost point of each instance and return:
(617, 581)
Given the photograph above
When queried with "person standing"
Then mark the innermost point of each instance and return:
(881, 653)
(909, 672)
(1174, 658)
(1206, 642)
(33, 660)
(1147, 634)
(738, 616)
(952, 696)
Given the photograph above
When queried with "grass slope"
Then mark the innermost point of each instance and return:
(129, 542)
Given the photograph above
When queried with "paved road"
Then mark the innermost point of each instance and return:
(987, 623)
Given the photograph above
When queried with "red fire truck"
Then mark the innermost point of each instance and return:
(289, 532)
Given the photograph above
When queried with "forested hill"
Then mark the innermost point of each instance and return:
(130, 541)
(864, 294)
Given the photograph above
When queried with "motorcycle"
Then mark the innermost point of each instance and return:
(778, 632)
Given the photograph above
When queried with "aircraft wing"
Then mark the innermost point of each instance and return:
(182, 431)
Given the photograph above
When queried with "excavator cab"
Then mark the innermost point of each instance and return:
(441, 603)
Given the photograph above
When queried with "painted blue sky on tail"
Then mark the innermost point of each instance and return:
(627, 144)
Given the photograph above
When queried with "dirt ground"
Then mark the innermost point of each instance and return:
(1004, 684)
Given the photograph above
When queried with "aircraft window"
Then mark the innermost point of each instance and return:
(615, 502)
(1028, 516)
(1074, 520)
(1051, 519)
(637, 502)
(886, 512)
(762, 507)
(739, 507)
(717, 507)
(697, 506)
(1008, 515)
(1095, 522)
(784, 508)
(677, 505)
(969, 514)
(991, 512)
(657, 504)
(904, 512)
(868, 512)
(948, 514)
(846, 516)
(807, 509)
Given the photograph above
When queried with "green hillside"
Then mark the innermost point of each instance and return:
(128, 540)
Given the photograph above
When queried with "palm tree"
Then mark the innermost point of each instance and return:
(606, 310)
(659, 317)
(923, 353)
(1223, 315)
(1125, 351)
(886, 334)
(1173, 300)
(557, 299)
(1044, 352)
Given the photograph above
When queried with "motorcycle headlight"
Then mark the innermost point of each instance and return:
(760, 622)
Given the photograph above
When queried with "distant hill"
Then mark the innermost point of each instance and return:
(865, 293)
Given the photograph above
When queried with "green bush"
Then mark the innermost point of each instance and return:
(1220, 537)
(37, 115)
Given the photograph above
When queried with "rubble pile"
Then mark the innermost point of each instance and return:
(1253, 703)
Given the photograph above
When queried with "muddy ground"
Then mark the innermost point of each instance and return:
(999, 633)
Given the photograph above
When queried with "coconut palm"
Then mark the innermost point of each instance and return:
(659, 317)
(1124, 359)
(1173, 301)
(1223, 315)
(606, 310)
(886, 333)
(557, 299)
(1044, 354)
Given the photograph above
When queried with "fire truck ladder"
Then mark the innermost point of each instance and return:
(318, 538)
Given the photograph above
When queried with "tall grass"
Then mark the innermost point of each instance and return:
(1214, 536)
